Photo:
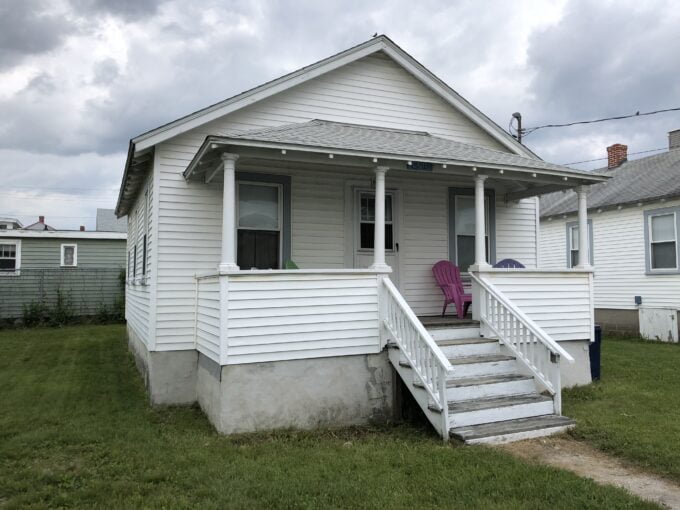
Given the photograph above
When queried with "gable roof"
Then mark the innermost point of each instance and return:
(383, 143)
(640, 180)
(142, 144)
(378, 43)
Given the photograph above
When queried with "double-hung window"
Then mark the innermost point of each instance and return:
(367, 221)
(661, 234)
(260, 225)
(464, 229)
(10, 256)
(69, 255)
(573, 246)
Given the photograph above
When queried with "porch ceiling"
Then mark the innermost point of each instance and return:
(331, 143)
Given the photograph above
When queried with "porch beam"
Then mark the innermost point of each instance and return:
(379, 224)
(228, 259)
(480, 223)
(583, 238)
(535, 191)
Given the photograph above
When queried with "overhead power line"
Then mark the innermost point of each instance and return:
(600, 159)
(527, 131)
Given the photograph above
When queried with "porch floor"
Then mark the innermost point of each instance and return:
(448, 321)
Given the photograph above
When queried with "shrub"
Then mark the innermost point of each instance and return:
(62, 313)
(34, 314)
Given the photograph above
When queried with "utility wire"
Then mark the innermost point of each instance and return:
(600, 159)
(528, 131)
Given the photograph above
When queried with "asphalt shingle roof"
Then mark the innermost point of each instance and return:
(379, 140)
(107, 221)
(653, 177)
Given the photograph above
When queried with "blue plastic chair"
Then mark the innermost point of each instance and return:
(509, 264)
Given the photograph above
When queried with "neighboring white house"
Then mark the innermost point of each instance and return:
(364, 149)
(634, 223)
(9, 223)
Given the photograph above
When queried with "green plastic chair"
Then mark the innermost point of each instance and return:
(289, 264)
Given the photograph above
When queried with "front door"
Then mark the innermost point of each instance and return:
(364, 230)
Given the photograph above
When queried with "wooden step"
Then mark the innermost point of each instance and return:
(467, 341)
(464, 347)
(483, 358)
(487, 379)
(495, 409)
(512, 430)
(481, 365)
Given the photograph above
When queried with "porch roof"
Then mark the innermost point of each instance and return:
(382, 143)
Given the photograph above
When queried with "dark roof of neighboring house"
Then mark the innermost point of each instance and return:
(640, 180)
(107, 221)
(380, 141)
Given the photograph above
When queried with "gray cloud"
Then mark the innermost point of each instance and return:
(27, 29)
(126, 9)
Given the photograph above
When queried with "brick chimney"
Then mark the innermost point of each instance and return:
(674, 140)
(82, 228)
(616, 154)
(41, 219)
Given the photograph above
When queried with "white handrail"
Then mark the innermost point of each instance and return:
(537, 330)
(415, 343)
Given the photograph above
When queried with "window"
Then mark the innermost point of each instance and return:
(3, 227)
(464, 229)
(661, 235)
(572, 243)
(10, 257)
(259, 225)
(367, 221)
(69, 255)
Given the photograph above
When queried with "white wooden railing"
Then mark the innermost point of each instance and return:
(428, 362)
(530, 344)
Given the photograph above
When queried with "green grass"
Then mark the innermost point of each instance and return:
(634, 411)
(76, 431)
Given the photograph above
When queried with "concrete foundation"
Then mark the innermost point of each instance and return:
(303, 394)
(618, 322)
(577, 373)
(170, 377)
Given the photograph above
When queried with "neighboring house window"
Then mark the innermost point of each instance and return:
(260, 212)
(367, 222)
(69, 255)
(10, 256)
(573, 246)
(3, 227)
(661, 236)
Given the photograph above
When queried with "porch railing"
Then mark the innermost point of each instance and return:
(531, 345)
(428, 362)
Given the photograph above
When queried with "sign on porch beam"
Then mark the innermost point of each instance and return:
(421, 166)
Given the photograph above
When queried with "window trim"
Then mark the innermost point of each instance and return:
(648, 237)
(17, 257)
(491, 233)
(591, 255)
(75, 254)
(285, 202)
(393, 197)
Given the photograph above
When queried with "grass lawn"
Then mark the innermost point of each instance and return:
(76, 431)
(634, 412)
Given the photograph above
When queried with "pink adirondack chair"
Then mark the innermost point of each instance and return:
(447, 275)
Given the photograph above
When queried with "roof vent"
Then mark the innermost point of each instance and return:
(616, 155)
(674, 140)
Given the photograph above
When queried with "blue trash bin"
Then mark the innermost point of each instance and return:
(595, 349)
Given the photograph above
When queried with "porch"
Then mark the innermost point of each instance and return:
(398, 215)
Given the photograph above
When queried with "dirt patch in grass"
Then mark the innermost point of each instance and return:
(587, 461)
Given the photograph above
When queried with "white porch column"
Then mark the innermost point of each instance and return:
(379, 234)
(480, 223)
(583, 237)
(228, 260)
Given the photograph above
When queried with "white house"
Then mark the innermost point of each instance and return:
(313, 170)
(634, 223)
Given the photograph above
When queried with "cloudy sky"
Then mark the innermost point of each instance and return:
(79, 78)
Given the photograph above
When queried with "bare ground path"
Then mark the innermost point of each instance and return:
(587, 461)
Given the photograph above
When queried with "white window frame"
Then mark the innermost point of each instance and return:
(571, 226)
(393, 198)
(17, 257)
(279, 228)
(649, 241)
(487, 224)
(75, 254)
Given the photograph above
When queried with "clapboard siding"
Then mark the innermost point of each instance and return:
(92, 253)
(85, 291)
(348, 325)
(372, 91)
(558, 302)
(619, 258)
(208, 317)
(138, 285)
